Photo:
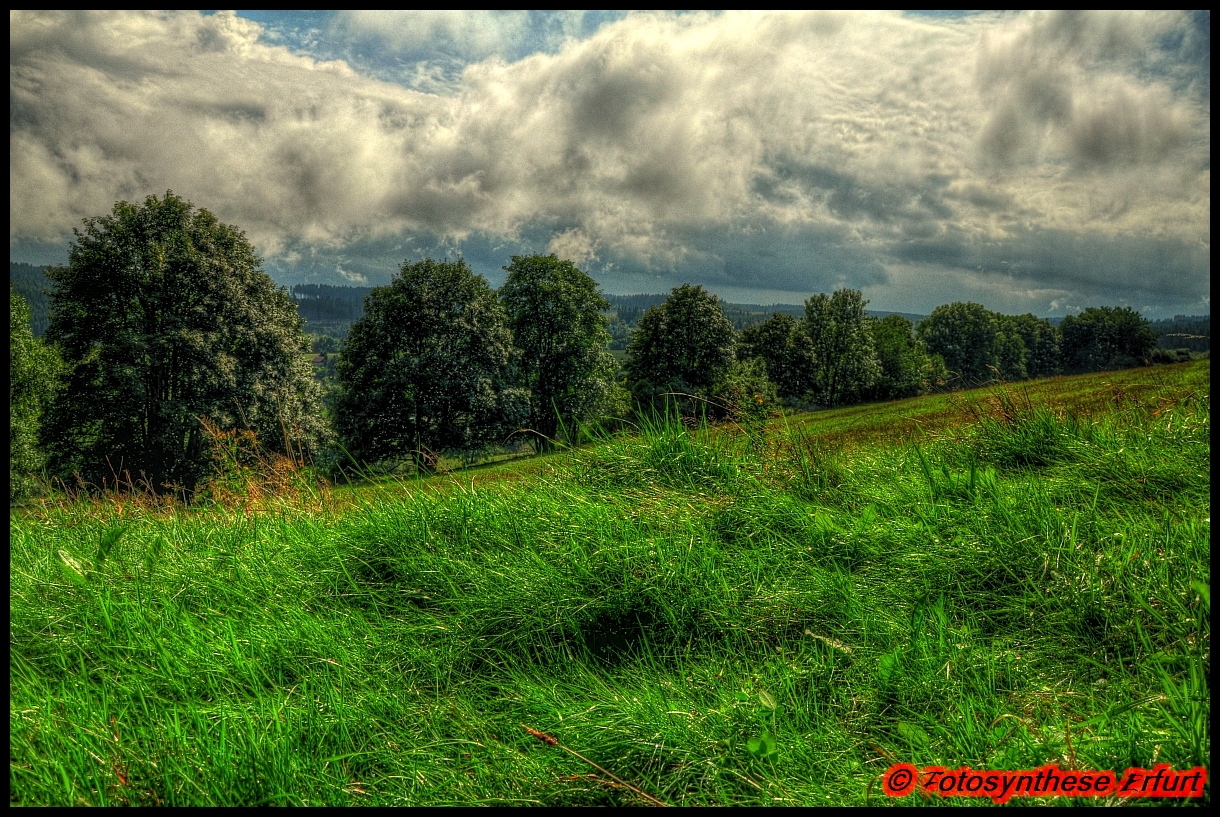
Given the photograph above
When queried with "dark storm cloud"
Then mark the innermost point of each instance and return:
(851, 198)
(1093, 266)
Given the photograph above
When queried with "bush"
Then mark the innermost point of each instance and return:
(32, 369)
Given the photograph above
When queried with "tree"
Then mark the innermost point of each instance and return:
(684, 346)
(846, 361)
(165, 319)
(554, 312)
(1010, 351)
(325, 345)
(964, 335)
(32, 369)
(746, 393)
(1106, 338)
(620, 333)
(901, 356)
(1041, 340)
(427, 368)
(786, 351)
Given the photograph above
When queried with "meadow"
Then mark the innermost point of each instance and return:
(1001, 578)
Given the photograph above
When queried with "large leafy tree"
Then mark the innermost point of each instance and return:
(901, 356)
(837, 326)
(1106, 338)
(1010, 351)
(427, 368)
(165, 319)
(32, 368)
(554, 311)
(965, 336)
(1041, 340)
(786, 351)
(684, 346)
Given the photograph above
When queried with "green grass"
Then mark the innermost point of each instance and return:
(1020, 577)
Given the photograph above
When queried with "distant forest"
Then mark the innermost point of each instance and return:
(1191, 332)
(630, 308)
(30, 283)
(329, 310)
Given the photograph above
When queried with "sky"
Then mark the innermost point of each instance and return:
(1031, 162)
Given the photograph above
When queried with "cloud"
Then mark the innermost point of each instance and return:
(1069, 83)
(572, 245)
(767, 152)
(473, 33)
(351, 277)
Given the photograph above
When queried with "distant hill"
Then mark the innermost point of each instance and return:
(1193, 332)
(630, 307)
(330, 310)
(32, 284)
(327, 309)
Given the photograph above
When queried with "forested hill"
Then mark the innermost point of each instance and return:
(1193, 332)
(629, 308)
(326, 303)
(329, 309)
(32, 284)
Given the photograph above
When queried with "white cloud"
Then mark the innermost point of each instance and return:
(854, 142)
(473, 33)
(572, 245)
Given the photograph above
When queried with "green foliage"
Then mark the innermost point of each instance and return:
(902, 359)
(786, 351)
(328, 309)
(1042, 356)
(31, 283)
(32, 372)
(324, 345)
(1010, 352)
(845, 359)
(164, 318)
(554, 312)
(934, 374)
(964, 335)
(620, 333)
(1106, 338)
(1161, 355)
(1190, 332)
(427, 368)
(684, 346)
(747, 394)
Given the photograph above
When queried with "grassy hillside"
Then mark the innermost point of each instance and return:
(1003, 579)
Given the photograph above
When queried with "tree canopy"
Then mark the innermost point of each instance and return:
(846, 360)
(427, 368)
(1106, 337)
(554, 312)
(786, 351)
(965, 336)
(164, 318)
(902, 358)
(1041, 341)
(685, 345)
(32, 369)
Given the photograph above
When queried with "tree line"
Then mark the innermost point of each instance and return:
(164, 330)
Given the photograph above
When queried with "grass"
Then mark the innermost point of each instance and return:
(695, 618)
